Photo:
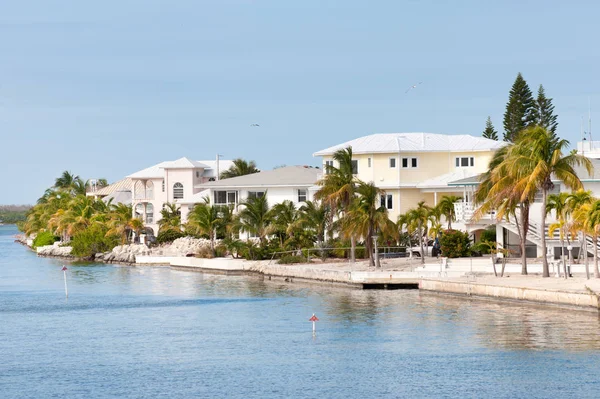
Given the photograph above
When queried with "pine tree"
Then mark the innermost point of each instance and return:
(490, 132)
(543, 111)
(519, 109)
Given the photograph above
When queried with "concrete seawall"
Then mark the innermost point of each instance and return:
(581, 299)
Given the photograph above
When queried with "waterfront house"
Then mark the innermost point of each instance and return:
(288, 183)
(171, 182)
(413, 167)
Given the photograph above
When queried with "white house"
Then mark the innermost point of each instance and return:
(171, 182)
(291, 183)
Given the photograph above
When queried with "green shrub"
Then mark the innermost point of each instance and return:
(291, 259)
(488, 235)
(455, 244)
(205, 252)
(93, 240)
(44, 238)
(169, 236)
(220, 251)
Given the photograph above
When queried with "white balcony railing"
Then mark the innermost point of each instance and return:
(466, 210)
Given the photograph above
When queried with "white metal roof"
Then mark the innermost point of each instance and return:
(303, 176)
(414, 142)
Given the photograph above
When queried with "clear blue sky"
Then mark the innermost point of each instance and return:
(106, 88)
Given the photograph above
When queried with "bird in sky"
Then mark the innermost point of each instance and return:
(412, 87)
(255, 125)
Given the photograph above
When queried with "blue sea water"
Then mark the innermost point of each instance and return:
(152, 332)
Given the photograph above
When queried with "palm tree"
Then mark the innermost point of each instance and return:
(578, 204)
(66, 180)
(314, 216)
(205, 219)
(593, 223)
(70, 183)
(446, 208)
(121, 222)
(254, 217)
(419, 217)
(338, 188)
(535, 157)
(366, 216)
(558, 204)
(284, 217)
(496, 191)
(170, 218)
(240, 167)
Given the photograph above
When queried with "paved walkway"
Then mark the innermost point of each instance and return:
(575, 284)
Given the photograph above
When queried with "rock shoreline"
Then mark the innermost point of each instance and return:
(121, 254)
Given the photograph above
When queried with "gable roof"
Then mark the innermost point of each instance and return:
(286, 176)
(121, 185)
(415, 142)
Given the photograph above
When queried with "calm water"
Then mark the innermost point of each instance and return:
(156, 333)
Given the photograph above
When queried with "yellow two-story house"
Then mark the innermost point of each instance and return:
(413, 167)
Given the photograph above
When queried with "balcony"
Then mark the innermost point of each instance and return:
(466, 210)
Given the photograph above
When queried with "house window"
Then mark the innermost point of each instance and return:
(387, 201)
(177, 191)
(302, 194)
(464, 162)
(225, 197)
(369, 162)
(392, 162)
(328, 164)
(410, 162)
(255, 194)
(220, 197)
(149, 213)
(197, 174)
(354, 167)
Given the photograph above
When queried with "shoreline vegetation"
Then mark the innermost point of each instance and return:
(13, 214)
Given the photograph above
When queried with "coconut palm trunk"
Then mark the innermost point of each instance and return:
(585, 256)
(596, 271)
(421, 242)
(524, 226)
(352, 249)
(545, 268)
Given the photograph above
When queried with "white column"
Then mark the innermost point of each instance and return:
(435, 198)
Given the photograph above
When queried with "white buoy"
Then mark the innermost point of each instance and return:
(64, 269)
(314, 320)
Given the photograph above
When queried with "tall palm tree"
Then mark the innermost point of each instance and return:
(366, 217)
(170, 218)
(593, 223)
(419, 216)
(338, 187)
(446, 208)
(240, 167)
(535, 157)
(496, 191)
(205, 219)
(254, 217)
(70, 183)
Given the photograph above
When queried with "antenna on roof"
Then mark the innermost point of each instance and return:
(217, 177)
(590, 120)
